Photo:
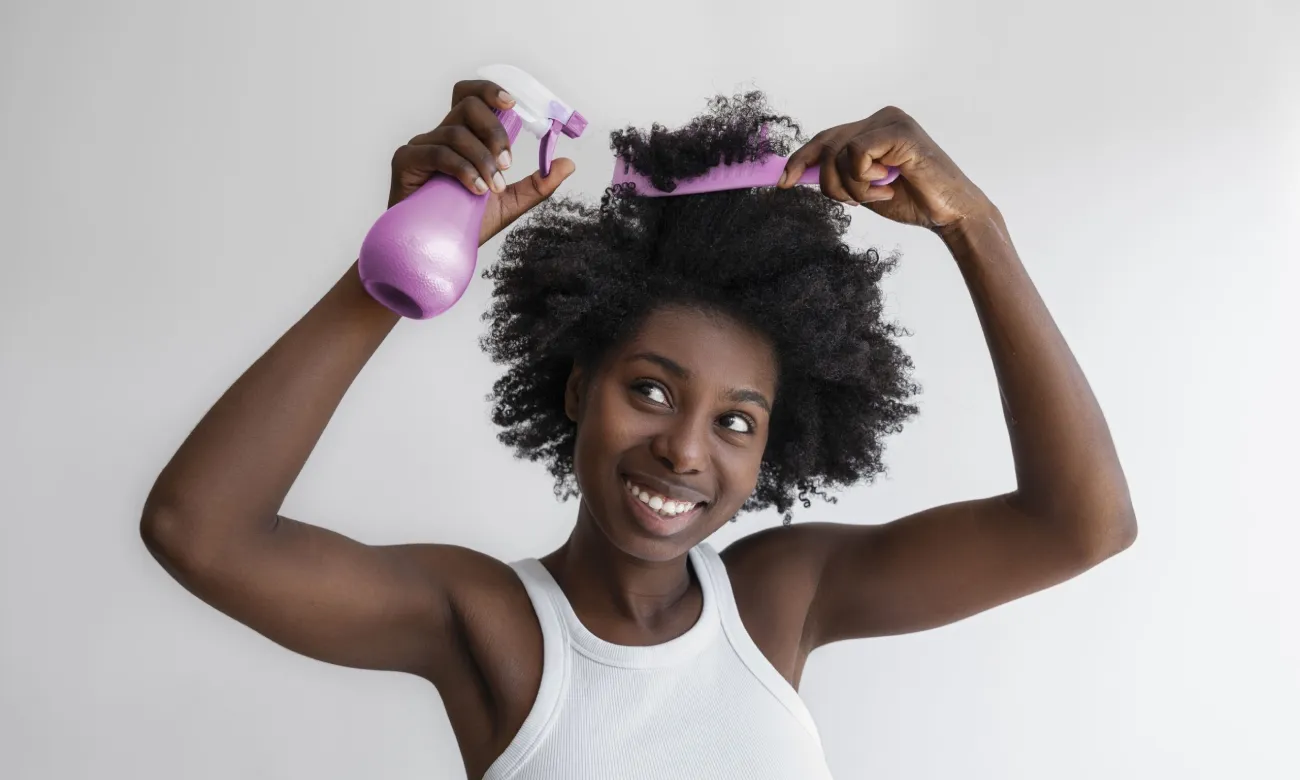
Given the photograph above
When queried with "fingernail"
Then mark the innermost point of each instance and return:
(781, 181)
(503, 159)
(499, 181)
(479, 186)
(505, 97)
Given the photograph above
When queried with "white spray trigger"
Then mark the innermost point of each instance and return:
(543, 114)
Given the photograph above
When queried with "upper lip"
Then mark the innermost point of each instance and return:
(672, 490)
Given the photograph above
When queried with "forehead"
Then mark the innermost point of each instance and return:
(711, 345)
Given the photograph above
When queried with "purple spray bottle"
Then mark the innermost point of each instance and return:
(419, 257)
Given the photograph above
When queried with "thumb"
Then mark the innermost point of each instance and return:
(523, 195)
(536, 188)
(809, 154)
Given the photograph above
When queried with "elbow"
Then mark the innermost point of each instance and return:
(1090, 530)
(1109, 533)
(1128, 533)
(176, 540)
(166, 536)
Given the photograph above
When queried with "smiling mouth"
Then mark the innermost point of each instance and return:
(658, 503)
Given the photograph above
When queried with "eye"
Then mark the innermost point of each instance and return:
(735, 421)
(652, 391)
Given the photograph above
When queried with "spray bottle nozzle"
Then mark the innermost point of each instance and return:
(543, 114)
(573, 128)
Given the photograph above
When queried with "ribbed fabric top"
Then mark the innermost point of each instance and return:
(707, 704)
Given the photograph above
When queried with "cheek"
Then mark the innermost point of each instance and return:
(739, 472)
(606, 427)
(609, 421)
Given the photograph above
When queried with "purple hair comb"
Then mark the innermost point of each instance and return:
(728, 176)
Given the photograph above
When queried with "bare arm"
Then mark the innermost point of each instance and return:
(212, 518)
(1070, 509)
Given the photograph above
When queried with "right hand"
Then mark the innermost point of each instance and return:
(471, 146)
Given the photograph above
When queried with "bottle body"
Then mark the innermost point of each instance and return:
(420, 255)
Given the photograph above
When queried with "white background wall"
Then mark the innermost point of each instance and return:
(180, 181)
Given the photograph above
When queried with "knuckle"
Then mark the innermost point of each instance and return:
(452, 163)
(422, 138)
(445, 157)
(905, 119)
(891, 115)
(461, 108)
(457, 134)
(464, 87)
(499, 137)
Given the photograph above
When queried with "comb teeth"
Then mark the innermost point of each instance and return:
(727, 176)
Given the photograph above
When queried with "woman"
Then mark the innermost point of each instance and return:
(674, 361)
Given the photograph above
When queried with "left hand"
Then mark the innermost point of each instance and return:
(931, 191)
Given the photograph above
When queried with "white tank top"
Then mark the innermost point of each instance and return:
(707, 704)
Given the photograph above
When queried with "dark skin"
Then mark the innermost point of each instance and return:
(685, 405)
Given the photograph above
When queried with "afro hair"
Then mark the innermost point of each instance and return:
(574, 280)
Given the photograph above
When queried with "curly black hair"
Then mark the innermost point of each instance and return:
(574, 280)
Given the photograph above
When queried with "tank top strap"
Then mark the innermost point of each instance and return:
(556, 673)
(743, 644)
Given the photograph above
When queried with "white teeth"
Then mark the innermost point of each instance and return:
(658, 503)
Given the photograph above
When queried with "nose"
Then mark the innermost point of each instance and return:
(682, 445)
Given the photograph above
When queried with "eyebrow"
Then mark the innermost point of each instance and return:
(734, 395)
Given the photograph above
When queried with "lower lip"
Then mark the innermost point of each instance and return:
(656, 524)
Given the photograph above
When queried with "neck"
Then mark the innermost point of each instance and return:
(620, 597)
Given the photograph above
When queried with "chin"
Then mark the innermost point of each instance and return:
(625, 531)
(642, 532)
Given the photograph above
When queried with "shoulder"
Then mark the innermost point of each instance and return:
(774, 575)
(791, 555)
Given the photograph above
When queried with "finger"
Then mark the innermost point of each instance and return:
(536, 188)
(524, 195)
(808, 155)
(831, 182)
(878, 194)
(414, 165)
(487, 91)
(862, 167)
(464, 142)
(897, 143)
(856, 171)
(487, 127)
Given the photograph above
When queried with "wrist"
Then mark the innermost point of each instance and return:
(353, 294)
(983, 228)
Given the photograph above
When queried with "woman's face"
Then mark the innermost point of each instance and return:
(671, 430)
